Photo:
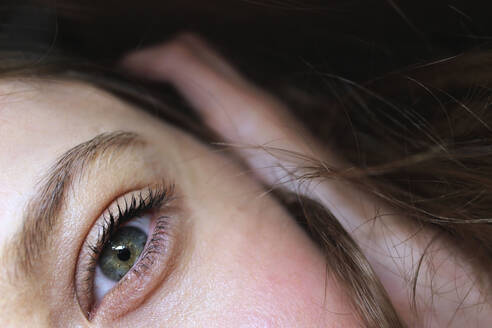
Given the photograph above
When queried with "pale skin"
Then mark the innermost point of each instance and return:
(242, 260)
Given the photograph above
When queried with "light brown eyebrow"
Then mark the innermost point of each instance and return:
(42, 214)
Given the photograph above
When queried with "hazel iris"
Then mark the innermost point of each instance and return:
(121, 252)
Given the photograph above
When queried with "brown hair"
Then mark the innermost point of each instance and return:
(420, 137)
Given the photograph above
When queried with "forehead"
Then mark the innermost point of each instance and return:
(39, 120)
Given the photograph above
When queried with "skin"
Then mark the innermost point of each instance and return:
(229, 271)
(242, 261)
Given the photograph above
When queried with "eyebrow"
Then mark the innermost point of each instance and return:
(42, 214)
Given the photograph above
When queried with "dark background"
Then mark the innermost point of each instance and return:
(355, 39)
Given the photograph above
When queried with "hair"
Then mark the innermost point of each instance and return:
(416, 104)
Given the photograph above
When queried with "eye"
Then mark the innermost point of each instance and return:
(120, 254)
(127, 252)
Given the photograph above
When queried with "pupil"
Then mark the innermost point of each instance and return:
(124, 254)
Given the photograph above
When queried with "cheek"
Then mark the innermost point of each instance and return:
(275, 281)
(247, 263)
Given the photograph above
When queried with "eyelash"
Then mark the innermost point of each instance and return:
(156, 197)
(138, 206)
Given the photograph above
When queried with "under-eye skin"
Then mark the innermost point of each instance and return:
(126, 252)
